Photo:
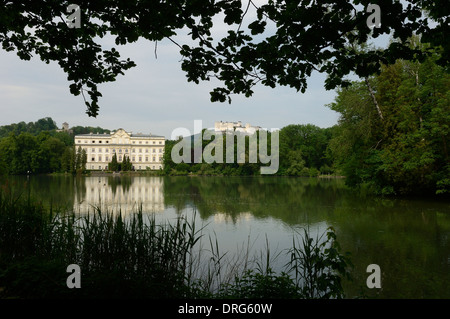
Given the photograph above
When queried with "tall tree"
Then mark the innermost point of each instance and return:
(114, 164)
(126, 164)
(406, 152)
(68, 160)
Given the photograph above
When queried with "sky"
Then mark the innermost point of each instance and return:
(153, 97)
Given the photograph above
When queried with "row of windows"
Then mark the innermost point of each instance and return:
(146, 142)
(107, 142)
(100, 150)
(133, 159)
(137, 167)
(86, 141)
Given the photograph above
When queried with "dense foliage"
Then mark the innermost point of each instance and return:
(45, 124)
(39, 147)
(302, 152)
(275, 43)
(397, 139)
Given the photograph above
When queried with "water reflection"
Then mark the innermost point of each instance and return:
(408, 238)
(120, 193)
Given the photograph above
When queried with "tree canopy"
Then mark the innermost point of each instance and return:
(405, 151)
(281, 43)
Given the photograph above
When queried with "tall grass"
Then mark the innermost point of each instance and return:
(135, 257)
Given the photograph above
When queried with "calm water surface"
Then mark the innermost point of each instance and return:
(408, 238)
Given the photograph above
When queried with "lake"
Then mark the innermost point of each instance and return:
(409, 238)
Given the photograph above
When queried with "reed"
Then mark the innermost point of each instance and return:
(136, 257)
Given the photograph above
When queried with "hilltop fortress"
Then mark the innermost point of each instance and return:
(235, 127)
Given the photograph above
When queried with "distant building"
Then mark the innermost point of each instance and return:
(235, 127)
(65, 128)
(144, 150)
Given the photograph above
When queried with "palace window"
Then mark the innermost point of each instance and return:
(146, 158)
(140, 158)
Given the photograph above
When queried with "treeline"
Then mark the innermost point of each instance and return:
(47, 124)
(76, 130)
(39, 147)
(37, 154)
(34, 128)
(302, 152)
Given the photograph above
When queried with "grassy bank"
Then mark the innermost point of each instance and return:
(138, 258)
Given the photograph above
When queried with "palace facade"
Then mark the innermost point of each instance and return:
(145, 151)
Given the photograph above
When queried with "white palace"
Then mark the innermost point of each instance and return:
(144, 151)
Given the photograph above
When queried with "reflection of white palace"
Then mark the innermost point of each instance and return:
(144, 151)
(142, 191)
